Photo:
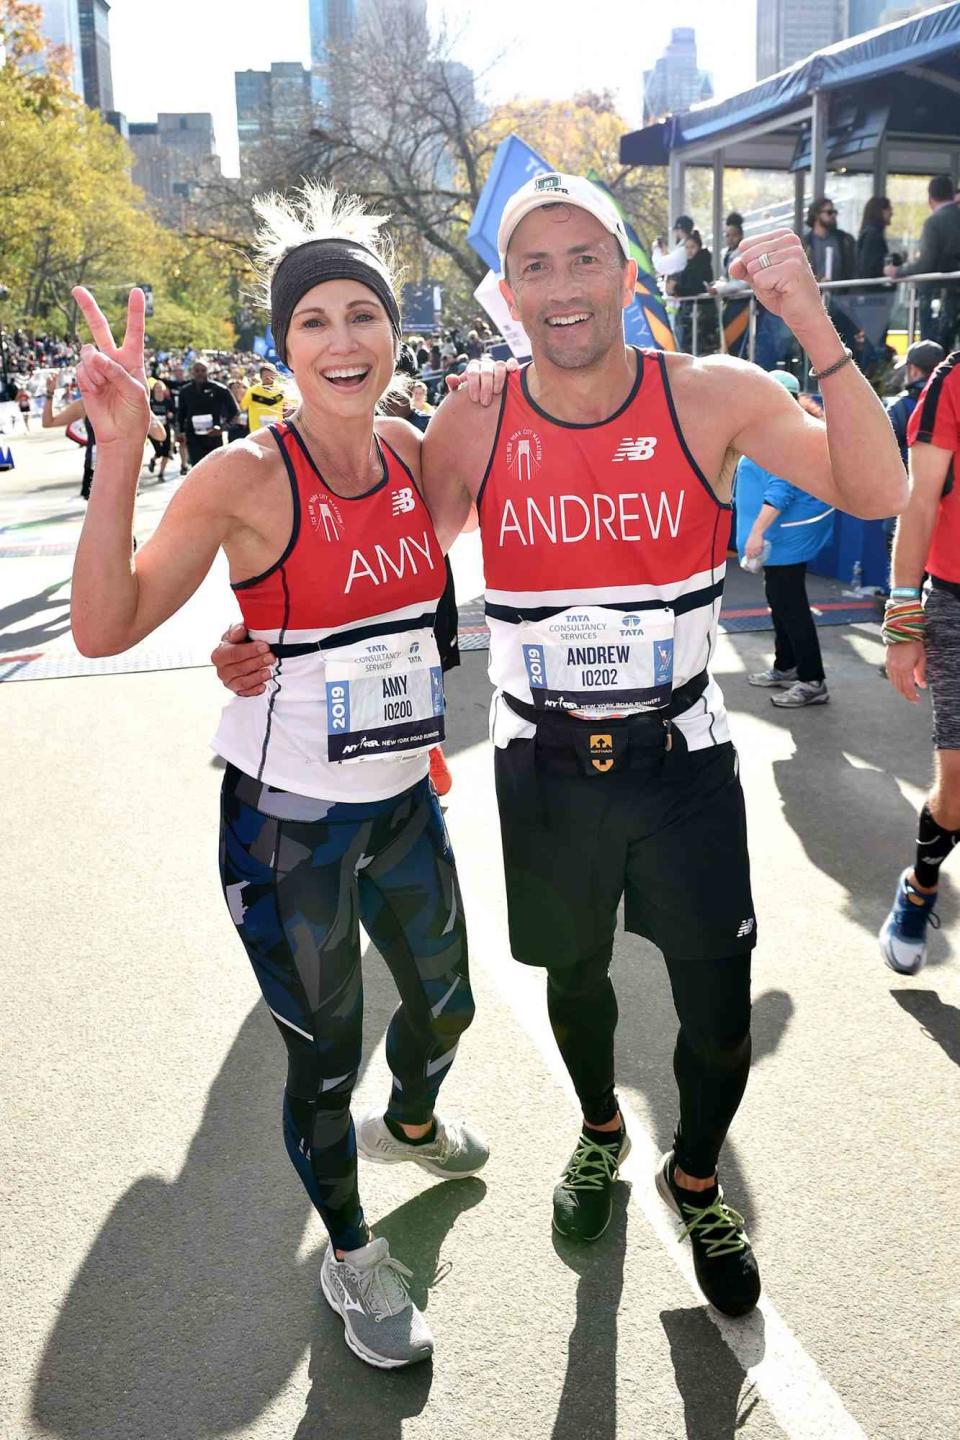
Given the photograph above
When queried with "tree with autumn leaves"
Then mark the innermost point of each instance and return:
(71, 215)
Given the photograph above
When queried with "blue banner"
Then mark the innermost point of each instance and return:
(264, 347)
(513, 165)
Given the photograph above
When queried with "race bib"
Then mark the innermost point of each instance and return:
(596, 661)
(384, 697)
(202, 424)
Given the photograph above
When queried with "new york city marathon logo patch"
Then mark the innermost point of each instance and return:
(524, 453)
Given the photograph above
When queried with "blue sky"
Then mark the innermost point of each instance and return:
(182, 54)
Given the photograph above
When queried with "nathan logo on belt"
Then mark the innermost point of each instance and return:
(601, 752)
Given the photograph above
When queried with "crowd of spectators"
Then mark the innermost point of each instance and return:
(686, 267)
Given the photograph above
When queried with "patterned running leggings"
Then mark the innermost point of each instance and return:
(299, 875)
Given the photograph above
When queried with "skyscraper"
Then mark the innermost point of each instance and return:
(334, 23)
(675, 83)
(95, 54)
(868, 14)
(274, 104)
(788, 31)
(172, 156)
(61, 26)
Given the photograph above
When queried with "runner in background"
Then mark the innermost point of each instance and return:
(921, 630)
(75, 414)
(163, 409)
(263, 401)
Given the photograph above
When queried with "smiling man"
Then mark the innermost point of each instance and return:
(602, 482)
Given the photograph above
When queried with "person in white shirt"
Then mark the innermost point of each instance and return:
(671, 262)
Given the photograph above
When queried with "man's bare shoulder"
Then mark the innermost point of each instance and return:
(706, 374)
(460, 437)
(466, 419)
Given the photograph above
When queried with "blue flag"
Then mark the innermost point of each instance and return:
(513, 165)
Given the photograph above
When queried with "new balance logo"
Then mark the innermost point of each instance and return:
(641, 448)
(746, 928)
(403, 501)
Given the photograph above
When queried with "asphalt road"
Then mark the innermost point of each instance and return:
(160, 1259)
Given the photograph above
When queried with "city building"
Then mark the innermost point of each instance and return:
(788, 32)
(172, 157)
(334, 23)
(95, 54)
(272, 105)
(675, 82)
(868, 14)
(61, 26)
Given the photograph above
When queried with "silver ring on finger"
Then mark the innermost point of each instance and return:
(765, 261)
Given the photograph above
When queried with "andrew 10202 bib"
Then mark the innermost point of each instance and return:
(597, 661)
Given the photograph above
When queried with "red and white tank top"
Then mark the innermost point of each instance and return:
(604, 550)
(936, 421)
(349, 610)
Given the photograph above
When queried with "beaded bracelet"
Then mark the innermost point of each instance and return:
(903, 622)
(832, 369)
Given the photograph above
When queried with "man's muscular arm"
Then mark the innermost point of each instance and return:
(852, 461)
(456, 450)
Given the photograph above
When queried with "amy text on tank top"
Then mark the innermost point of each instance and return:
(359, 574)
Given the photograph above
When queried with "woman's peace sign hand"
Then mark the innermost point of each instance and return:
(112, 378)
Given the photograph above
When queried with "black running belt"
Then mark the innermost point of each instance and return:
(355, 636)
(681, 699)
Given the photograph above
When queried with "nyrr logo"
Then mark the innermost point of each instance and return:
(402, 501)
(641, 448)
(601, 752)
(550, 182)
(325, 517)
(524, 454)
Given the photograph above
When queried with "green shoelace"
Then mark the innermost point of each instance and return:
(716, 1217)
(591, 1166)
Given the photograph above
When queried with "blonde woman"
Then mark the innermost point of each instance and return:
(336, 565)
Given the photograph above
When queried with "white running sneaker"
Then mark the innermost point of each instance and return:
(773, 676)
(455, 1152)
(802, 692)
(368, 1290)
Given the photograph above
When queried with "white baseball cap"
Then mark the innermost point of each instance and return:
(557, 189)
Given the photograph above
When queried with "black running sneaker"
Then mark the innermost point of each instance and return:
(722, 1256)
(583, 1200)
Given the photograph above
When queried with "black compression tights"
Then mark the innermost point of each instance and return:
(712, 1056)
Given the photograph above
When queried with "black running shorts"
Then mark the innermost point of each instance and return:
(669, 837)
(942, 643)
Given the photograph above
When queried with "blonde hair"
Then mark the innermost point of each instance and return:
(316, 211)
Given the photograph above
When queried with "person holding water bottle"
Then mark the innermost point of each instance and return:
(779, 529)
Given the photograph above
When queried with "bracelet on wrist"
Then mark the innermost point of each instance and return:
(832, 369)
(905, 592)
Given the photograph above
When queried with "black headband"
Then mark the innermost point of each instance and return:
(312, 264)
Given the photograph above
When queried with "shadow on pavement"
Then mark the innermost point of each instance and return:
(937, 1019)
(348, 1398)
(49, 628)
(708, 1375)
(192, 1308)
(588, 1402)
